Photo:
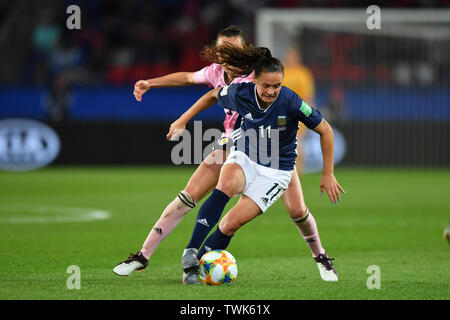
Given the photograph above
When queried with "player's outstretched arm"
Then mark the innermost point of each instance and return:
(328, 181)
(205, 102)
(178, 79)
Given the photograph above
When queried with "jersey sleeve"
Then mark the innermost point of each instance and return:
(301, 111)
(205, 76)
(227, 96)
(200, 77)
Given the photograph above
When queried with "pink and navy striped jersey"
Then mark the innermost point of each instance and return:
(213, 76)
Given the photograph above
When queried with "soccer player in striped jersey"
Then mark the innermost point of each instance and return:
(262, 104)
(206, 176)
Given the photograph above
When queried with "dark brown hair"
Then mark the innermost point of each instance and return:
(231, 32)
(208, 52)
(246, 59)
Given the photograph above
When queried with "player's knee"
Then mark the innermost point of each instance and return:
(194, 192)
(229, 187)
(228, 226)
(298, 212)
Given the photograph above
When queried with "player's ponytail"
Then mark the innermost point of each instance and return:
(267, 63)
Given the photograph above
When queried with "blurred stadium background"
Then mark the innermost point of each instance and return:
(386, 90)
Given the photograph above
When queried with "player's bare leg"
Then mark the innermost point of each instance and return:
(201, 183)
(243, 212)
(206, 176)
(304, 221)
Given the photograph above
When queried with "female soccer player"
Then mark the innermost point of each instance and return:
(275, 112)
(206, 176)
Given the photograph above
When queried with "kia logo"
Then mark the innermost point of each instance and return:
(26, 145)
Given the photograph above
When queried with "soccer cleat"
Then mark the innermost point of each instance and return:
(190, 265)
(327, 270)
(193, 276)
(134, 262)
(189, 259)
(190, 277)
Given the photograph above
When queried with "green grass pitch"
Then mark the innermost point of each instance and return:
(393, 219)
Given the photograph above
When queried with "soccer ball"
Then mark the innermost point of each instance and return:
(219, 267)
(447, 234)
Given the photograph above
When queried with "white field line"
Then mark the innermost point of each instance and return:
(14, 214)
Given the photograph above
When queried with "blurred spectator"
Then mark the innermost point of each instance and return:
(46, 32)
(334, 110)
(67, 58)
(44, 39)
(57, 101)
(298, 78)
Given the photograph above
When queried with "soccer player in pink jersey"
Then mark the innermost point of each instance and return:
(206, 177)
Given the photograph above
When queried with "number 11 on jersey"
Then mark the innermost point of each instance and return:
(261, 131)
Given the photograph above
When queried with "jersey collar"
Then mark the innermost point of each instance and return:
(257, 102)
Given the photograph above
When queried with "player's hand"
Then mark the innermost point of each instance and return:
(140, 88)
(329, 184)
(176, 129)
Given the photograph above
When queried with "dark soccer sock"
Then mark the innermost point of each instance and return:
(208, 216)
(217, 240)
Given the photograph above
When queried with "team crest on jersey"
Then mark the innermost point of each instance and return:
(282, 123)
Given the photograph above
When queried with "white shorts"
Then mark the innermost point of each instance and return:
(263, 185)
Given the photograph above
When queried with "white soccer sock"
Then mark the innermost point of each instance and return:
(169, 219)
